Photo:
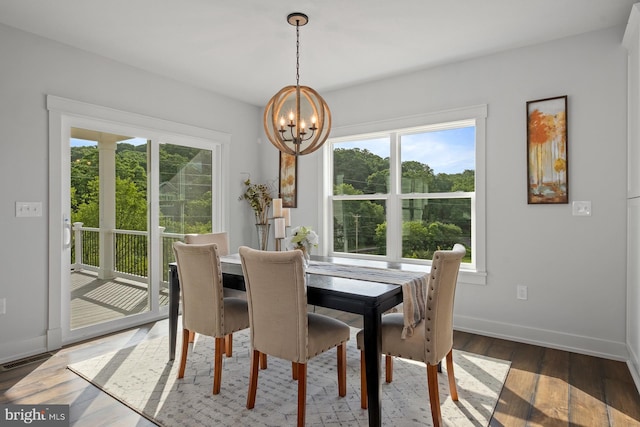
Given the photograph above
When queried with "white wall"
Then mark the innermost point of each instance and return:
(574, 267)
(631, 41)
(33, 67)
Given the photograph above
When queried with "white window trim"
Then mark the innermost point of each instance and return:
(471, 273)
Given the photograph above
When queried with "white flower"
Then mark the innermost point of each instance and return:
(302, 237)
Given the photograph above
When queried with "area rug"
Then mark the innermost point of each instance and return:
(143, 378)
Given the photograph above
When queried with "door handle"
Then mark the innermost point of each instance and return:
(66, 232)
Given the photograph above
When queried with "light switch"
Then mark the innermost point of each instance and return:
(582, 208)
(28, 209)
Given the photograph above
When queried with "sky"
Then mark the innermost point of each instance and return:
(445, 151)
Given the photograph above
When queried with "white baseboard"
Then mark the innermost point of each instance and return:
(16, 350)
(634, 367)
(542, 337)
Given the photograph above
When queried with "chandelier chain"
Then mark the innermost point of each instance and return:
(297, 52)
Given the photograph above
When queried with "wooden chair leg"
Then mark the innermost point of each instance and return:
(192, 336)
(183, 355)
(452, 379)
(263, 360)
(217, 365)
(342, 370)
(388, 368)
(434, 394)
(294, 371)
(302, 393)
(253, 379)
(363, 383)
(228, 341)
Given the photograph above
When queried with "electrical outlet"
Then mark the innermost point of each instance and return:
(581, 208)
(3, 306)
(521, 292)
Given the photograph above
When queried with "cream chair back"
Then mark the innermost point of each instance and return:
(201, 287)
(221, 239)
(276, 293)
(441, 288)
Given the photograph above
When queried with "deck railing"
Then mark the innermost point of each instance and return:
(130, 247)
(85, 249)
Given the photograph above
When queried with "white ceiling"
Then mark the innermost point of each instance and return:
(245, 48)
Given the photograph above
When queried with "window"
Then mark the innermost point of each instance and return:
(403, 193)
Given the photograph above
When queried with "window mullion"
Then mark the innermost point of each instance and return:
(394, 214)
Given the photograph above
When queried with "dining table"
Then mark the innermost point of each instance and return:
(329, 289)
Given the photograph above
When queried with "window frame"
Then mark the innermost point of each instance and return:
(473, 272)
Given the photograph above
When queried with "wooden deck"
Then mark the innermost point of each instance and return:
(96, 300)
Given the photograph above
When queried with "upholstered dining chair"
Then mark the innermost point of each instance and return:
(205, 310)
(281, 326)
(432, 338)
(222, 240)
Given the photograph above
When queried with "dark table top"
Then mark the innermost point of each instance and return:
(336, 292)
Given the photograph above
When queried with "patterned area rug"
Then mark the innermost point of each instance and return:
(144, 379)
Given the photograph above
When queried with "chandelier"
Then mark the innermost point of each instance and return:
(297, 120)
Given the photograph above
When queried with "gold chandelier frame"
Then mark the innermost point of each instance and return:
(291, 135)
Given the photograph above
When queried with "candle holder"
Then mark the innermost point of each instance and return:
(279, 229)
(281, 221)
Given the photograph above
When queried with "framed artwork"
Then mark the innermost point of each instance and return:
(547, 159)
(288, 180)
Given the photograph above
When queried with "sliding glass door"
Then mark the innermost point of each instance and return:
(109, 218)
(123, 195)
(185, 197)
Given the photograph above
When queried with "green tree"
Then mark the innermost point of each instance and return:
(416, 177)
(132, 165)
(378, 182)
(442, 236)
(356, 220)
(415, 239)
(443, 183)
(131, 207)
(466, 181)
(88, 211)
(354, 166)
(84, 168)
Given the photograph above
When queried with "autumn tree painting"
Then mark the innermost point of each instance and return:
(547, 179)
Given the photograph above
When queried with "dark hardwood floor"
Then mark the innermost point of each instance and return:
(544, 387)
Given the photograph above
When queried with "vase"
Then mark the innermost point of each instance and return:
(263, 236)
(305, 255)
